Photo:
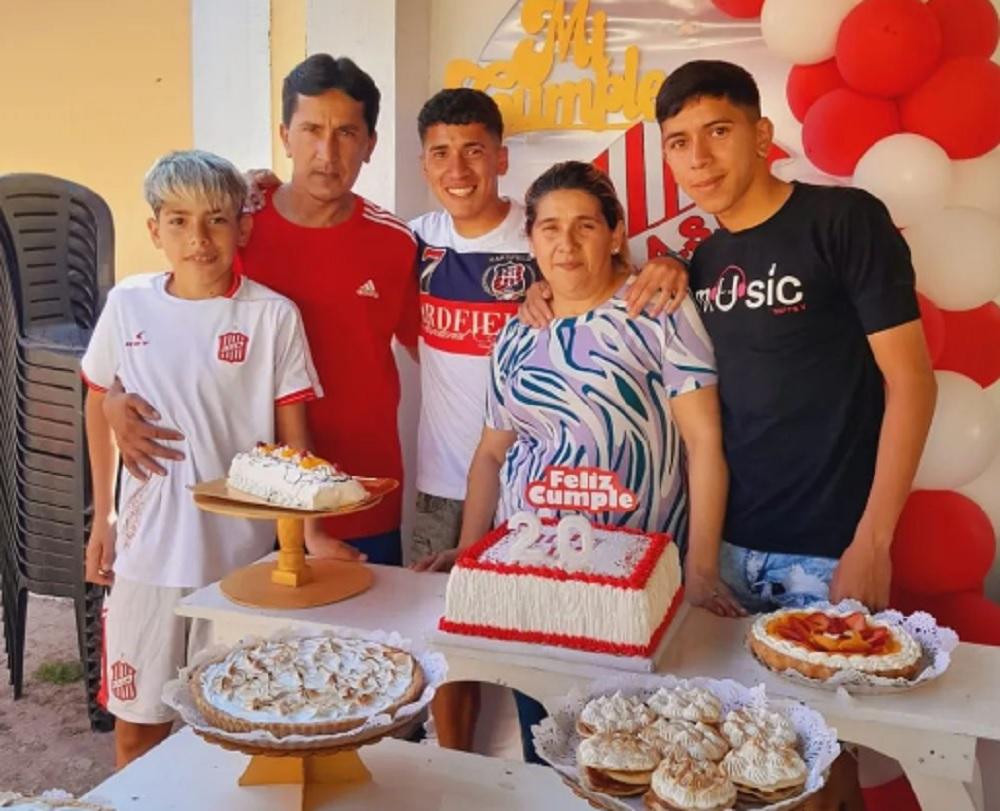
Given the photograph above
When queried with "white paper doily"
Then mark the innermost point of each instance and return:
(556, 738)
(177, 694)
(51, 800)
(936, 644)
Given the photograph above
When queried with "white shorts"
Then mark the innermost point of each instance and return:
(145, 644)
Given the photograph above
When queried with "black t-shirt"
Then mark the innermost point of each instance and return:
(789, 304)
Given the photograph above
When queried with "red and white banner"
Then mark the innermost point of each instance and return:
(577, 80)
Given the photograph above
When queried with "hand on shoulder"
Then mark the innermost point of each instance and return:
(660, 286)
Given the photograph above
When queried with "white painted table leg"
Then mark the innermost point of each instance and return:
(940, 793)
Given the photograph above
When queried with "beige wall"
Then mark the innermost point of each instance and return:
(460, 30)
(93, 91)
(288, 48)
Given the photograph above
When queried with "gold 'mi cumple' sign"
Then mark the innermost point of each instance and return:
(528, 102)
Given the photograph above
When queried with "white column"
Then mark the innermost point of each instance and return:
(389, 40)
(231, 81)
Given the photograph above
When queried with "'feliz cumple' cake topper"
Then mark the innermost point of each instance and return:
(588, 489)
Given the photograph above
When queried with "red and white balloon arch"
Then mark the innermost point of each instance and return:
(902, 97)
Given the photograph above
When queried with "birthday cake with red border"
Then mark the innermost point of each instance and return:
(569, 584)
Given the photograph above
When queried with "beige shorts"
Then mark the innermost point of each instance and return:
(146, 643)
(435, 527)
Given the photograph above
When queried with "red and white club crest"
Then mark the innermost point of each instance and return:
(506, 281)
(233, 347)
(123, 681)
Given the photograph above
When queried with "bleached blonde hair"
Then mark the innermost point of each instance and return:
(194, 173)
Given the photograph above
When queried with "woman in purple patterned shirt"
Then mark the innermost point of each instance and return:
(595, 389)
(636, 398)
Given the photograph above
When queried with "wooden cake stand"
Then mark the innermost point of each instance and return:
(291, 581)
(324, 774)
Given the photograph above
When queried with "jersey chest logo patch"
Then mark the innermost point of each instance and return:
(233, 347)
(123, 681)
(506, 281)
(140, 339)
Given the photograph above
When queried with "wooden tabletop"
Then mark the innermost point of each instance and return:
(964, 701)
(185, 773)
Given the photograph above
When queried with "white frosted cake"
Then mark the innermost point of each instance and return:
(291, 478)
(618, 596)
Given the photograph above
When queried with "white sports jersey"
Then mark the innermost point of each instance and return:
(214, 369)
(469, 289)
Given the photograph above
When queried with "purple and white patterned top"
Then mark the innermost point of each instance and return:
(594, 391)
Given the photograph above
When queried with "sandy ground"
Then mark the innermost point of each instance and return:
(45, 737)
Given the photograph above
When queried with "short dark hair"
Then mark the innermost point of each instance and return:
(321, 72)
(460, 105)
(577, 176)
(706, 77)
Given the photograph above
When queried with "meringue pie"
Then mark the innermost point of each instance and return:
(616, 763)
(739, 726)
(764, 773)
(700, 741)
(614, 713)
(681, 783)
(309, 685)
(686, 704)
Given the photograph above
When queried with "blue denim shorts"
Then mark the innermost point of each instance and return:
(764, 581)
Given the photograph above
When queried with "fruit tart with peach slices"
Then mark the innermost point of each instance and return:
(820, 643)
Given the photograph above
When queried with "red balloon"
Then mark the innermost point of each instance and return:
(743, 9)
(958, 106)
(972, 615)
(968, 27)
(806, 83)
(943, 543)
(934, 329)
(888, 47)
(842, 124)
(972, 343)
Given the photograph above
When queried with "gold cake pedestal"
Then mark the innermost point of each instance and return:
(291, 581)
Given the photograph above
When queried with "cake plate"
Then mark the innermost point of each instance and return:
(291, 581)
(324, 768)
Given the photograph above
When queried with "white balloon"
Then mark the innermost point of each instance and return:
(911, 174)
(985, 491)
(802, 169)
(993, 392)
(803, 31)
(964, 436)
(956, 255)
(977, 183)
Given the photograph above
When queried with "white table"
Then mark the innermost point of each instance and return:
(932, 730)
(186, 774)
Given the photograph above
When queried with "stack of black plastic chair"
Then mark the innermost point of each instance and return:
(14, 597)
(57, 240)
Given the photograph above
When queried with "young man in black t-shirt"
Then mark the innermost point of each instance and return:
(826, 387)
